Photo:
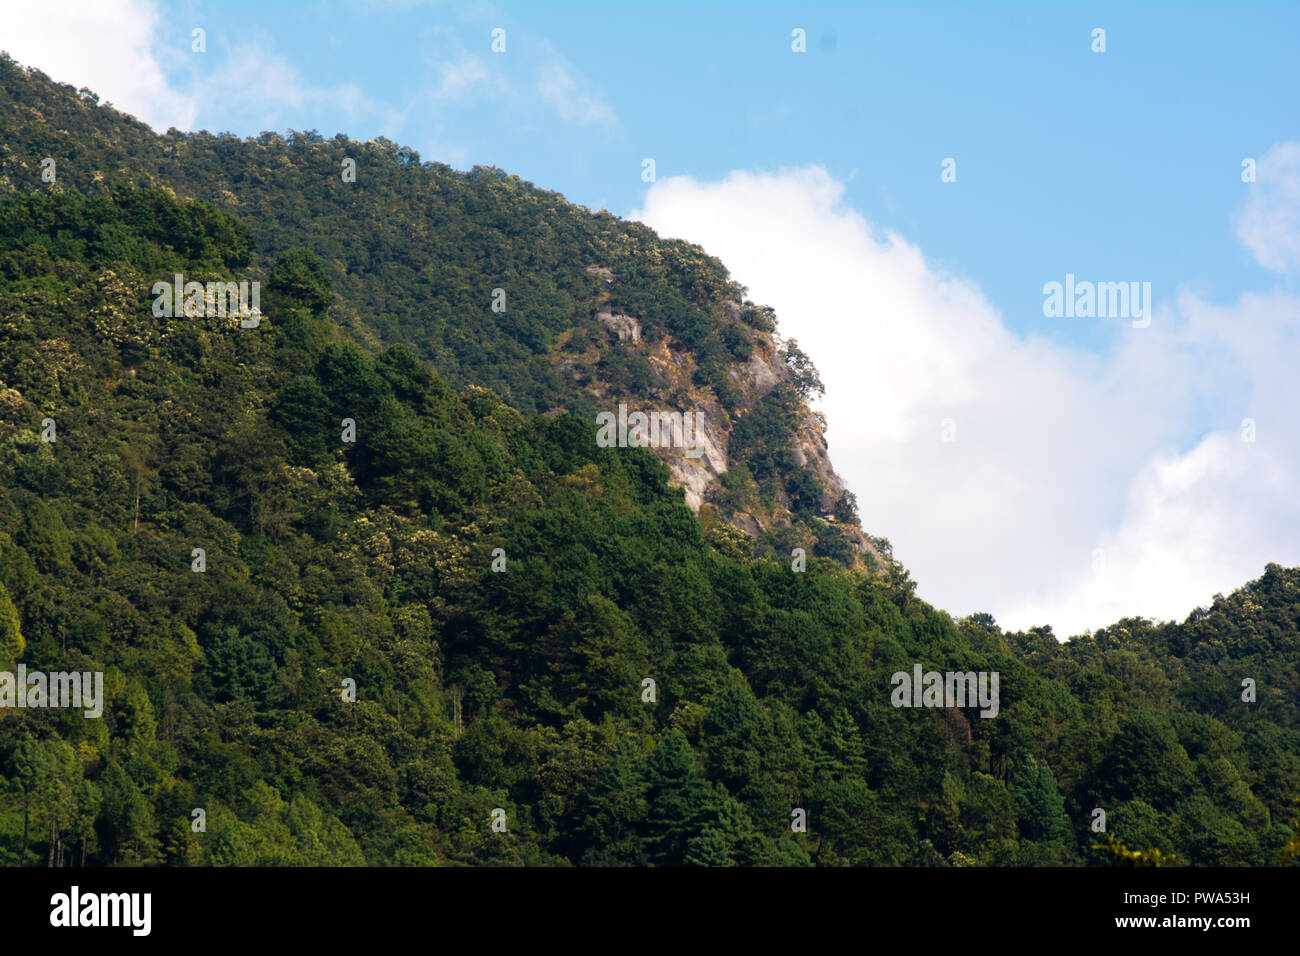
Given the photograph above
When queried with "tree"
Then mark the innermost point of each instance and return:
(1042, 810)
(1115, 852)
(614, 814)
(681, 802)
(734, 734)
(11, 635)
(26, 770)
(1146, 761)
(128, 817)
(803, 374)
(1290, 852)
(300, 278)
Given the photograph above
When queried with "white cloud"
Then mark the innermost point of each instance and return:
(560, 87)
(110, 46)
(461, 74)
(1059, 452)
(121, 50)
(136, 55)
(263, 89)
(464, 75)
(1269, 222)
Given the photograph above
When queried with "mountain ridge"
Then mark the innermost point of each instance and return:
(688, 310)
(359, 613)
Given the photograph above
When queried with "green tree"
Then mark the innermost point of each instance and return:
(681, 802)
(12, 644)
(1042, 809)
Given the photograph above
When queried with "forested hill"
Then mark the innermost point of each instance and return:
(496, 283)
(475, 635)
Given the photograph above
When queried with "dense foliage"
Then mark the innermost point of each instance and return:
(419, 254)
(498, 589)
(414, 250)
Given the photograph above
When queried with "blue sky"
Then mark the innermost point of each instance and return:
(816, 177)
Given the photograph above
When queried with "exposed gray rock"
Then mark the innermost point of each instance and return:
(624, 326)
(696, 474)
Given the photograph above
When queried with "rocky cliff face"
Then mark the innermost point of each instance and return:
(673, 386)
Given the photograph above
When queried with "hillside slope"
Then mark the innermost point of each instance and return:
(475, 635)
(496, 283)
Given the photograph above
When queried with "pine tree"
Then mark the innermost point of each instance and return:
(1042, 810)
(681, 802)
